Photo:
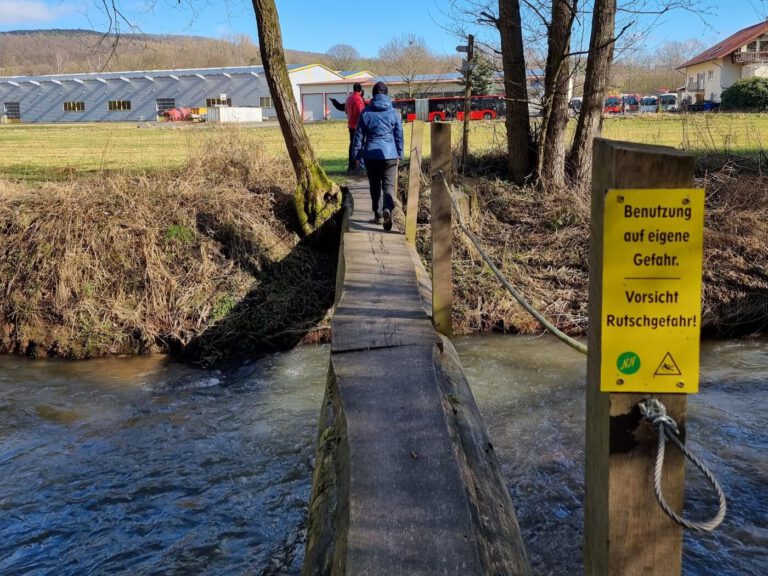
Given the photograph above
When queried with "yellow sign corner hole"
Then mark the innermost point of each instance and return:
(651, 290)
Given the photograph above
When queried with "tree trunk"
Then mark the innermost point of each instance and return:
(550, 165)
(510, 28)
(590, 123)
(316, 196)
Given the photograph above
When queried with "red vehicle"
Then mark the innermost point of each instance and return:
(444, 108)
(613, 105)
(631, 102)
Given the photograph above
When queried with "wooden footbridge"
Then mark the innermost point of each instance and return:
(406, 481)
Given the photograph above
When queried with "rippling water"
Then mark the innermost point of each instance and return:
(517, 380)
(144, 466)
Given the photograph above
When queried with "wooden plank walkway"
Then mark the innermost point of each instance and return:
(408, 505)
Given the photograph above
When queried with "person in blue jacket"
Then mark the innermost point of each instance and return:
(379, 141)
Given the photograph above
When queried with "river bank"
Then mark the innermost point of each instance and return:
(540, 240)
(206, 261)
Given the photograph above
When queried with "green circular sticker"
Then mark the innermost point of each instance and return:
(628, 363)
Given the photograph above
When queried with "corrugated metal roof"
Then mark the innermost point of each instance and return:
(730, 44)
(348, 73)
(142, 73)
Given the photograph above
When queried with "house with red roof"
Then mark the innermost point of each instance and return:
(741, 55)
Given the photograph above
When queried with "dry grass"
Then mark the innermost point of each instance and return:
(541, 243)
(134, 263)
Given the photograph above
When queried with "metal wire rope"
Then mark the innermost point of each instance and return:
(575, 344)
(666, 429)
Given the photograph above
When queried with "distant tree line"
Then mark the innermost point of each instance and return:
(76, 51)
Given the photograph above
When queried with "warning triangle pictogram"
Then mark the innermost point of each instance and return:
(668, 367)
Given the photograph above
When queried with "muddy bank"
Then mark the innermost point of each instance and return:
(204, 261)
(541, 242)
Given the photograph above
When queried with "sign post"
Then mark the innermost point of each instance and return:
(644, 294)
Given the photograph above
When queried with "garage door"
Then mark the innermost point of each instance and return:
(312, 107)
(337, 114)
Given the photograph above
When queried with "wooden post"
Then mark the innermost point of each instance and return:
(626, 532)
(442, 234)
(414, 181)
(467, 100)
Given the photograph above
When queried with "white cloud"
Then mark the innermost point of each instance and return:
(30, 11)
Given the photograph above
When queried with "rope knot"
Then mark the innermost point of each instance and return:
(656, 413)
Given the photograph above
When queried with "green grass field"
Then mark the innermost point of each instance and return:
(48, 152)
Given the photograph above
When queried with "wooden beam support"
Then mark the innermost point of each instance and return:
(442, 234)
(626, 532)
(414, 181)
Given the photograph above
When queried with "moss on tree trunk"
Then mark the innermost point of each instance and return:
(316, 197)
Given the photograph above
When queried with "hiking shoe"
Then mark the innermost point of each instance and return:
(387, 220)
(375, 220)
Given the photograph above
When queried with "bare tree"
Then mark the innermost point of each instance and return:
(601, 45)
(343, 56)
(509, 24)
(409, 58)
(550, 162)
(316, 196)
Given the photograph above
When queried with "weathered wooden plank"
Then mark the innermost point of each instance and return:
(442, 233)
(405, 481)
(414, 181)
(626, 533)
(408, 511)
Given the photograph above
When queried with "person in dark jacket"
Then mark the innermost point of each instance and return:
(379, 141)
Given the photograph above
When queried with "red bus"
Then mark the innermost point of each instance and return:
(613, 105)
(442, 108)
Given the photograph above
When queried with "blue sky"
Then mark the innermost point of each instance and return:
(316, 25)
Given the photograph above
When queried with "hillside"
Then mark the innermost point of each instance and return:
(25, 52)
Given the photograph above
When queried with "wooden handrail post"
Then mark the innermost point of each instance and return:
(626, 533)
(442, 234)
(414, 181)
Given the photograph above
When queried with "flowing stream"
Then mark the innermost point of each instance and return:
(145, 466)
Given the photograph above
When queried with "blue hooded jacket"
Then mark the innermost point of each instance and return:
(379, 134)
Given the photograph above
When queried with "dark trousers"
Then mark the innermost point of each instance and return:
(381, 178)
(351, 162)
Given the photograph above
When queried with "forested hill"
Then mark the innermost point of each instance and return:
(37, 52)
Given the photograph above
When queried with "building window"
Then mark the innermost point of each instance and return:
(165, 104)
(266, 102)
(74, 106)
(213, 102)
(711, 75)
(115, 105)
(752, 46)
(12, 111)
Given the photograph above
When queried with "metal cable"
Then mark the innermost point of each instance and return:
(666, 429)
(575, 344)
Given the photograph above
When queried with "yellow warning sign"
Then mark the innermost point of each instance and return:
(651, 290)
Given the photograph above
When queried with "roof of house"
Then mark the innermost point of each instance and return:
(354, 73)
(730, 44)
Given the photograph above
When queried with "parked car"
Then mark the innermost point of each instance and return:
(669, 102)
(649, 104)
(574, 106)
(705, 106)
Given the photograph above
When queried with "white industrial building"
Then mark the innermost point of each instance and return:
(144, 95)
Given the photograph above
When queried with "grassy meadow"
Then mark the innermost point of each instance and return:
(36, 153)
